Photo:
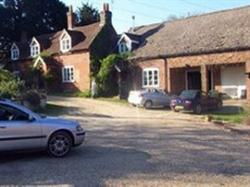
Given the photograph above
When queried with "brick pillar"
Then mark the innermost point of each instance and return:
(248, 80)
(169, 79)
(204, 78)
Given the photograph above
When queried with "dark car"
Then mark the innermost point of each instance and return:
(196, 101)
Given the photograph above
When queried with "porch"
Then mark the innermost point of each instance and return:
(229, 79)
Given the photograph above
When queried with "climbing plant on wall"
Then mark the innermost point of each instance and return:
(106, 79)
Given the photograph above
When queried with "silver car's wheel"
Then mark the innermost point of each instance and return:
(60, 144)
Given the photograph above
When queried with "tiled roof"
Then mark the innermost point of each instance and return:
(213, 32)
(82, 38)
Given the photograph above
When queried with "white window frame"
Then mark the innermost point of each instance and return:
(15, 53)
(70, 78)
(123, 48)
(65, 42)
(35, 48)
(147, 71)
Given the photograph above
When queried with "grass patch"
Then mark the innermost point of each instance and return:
(86, 94)
(53, 110)
(114, 100)
(231, 114)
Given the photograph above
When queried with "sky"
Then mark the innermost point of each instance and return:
(155, 11)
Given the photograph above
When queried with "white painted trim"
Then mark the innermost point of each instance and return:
(120, 47)
(125, 36)
(39, 59)
(62, 38)
(128, 42)
(31, 47)
(63, 78)
(147, 70)
(18, 51)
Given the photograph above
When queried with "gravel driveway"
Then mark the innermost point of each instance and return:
(127, 146)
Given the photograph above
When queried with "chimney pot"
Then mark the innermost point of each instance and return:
(105, 15)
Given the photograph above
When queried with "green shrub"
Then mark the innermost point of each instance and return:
(106, 78)
(10, 86)
(32, 99)
(85, 94)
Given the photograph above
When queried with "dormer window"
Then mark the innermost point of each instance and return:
(65, 42)
(34, 48)
(123, 48)
(14, 52)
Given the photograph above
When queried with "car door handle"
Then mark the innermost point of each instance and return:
(3, 127)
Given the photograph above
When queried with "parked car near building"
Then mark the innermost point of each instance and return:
(22, 129)
(196, 101)
(149, 98)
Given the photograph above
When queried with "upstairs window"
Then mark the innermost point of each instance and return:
(68, 74)
(34, 48)
(150, 77)
(123, 48)
(65, 42)
(14, 52)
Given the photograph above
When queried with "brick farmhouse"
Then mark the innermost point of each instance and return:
(70, 51)
(206, 52)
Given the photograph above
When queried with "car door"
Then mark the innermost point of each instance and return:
(158, 98)
(203, 100)
(164, 99)
(17, 130)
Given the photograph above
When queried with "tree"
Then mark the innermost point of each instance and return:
(40, 16)
(9, 85)
(87, 14)
(106, 78)
(175, 17)
(34, 17)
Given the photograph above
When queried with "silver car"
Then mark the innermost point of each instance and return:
(22, 129)
(149, 98)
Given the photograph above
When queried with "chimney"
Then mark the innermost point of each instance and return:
(70, 18)
(105, 15)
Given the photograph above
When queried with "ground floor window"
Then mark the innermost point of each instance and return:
(68, 74)
(150, 77)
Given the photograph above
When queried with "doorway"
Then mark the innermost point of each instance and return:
(193, 79)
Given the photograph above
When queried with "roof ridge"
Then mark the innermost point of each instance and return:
(74, 29)
(209, 13)
(190, 17)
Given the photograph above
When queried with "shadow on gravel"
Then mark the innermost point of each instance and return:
(124, 149)
(58, 110)
(86, 166)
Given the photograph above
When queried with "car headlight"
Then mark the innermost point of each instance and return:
(79, 128)
(188, 102)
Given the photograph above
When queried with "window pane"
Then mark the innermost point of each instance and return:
(145, 79)
(155, 77)
(150, 78)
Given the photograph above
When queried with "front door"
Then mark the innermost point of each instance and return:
(194, 80)
(17, 131)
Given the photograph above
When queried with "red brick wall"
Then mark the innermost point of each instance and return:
(137, 69)
(81, 63)
(177, 80)
(213, 59)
